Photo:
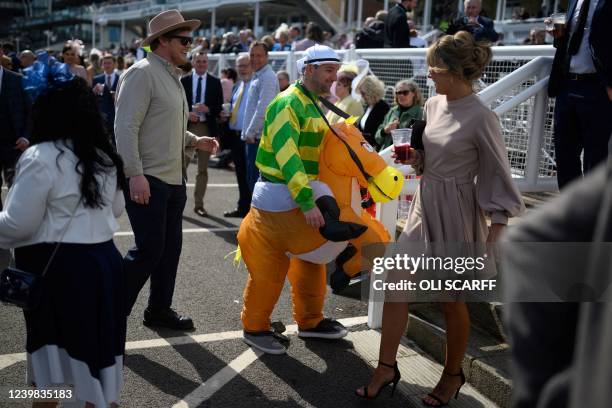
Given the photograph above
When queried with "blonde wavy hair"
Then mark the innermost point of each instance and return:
(459, 55)
(371, 89)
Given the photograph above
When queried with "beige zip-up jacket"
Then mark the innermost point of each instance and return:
(151, 120)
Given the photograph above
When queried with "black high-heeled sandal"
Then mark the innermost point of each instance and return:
(440, 402)
(394, 381)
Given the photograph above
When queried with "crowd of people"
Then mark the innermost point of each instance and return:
(127, 135)
(395, 29)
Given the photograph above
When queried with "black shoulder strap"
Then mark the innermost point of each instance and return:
(334, 108)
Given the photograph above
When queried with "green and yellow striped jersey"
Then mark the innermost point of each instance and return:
(289, 148)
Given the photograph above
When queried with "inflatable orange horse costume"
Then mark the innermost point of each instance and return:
(276, 245)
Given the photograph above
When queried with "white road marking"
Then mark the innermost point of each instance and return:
(185, 231)
(10, 359)
(222, 185)
(217, 381)
(7, 360)
(225, 375)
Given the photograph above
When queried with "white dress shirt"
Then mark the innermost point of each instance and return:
(365, 117)
(109, 79)
(194, 97)
(44, 195)
(582, 62)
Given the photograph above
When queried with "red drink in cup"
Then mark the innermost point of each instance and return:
(402, 151)
(401, 143)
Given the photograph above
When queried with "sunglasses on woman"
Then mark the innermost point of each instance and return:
(404, 92)
(184, 40)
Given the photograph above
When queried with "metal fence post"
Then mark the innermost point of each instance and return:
(220, 64)
(536, 133)
(386, 213)
(351, 54)
(291, 66)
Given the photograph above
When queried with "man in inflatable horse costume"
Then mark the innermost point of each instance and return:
(295, 225)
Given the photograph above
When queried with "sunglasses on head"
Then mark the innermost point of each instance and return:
(404, 92)
(184, 40)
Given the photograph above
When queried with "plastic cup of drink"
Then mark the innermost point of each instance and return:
(226, 108)
(401, 143)
(556, 20)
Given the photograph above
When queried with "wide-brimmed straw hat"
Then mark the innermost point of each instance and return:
(167, 21)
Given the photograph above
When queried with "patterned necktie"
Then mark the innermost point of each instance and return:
(234, 117)
(108, 82)
(199, 91)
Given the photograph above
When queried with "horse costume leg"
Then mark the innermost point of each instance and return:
(267, 265)
(308, 289)
(350, 263)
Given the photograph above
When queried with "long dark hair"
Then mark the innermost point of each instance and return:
(70, 113)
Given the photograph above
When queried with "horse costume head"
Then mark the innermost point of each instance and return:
(363, 163)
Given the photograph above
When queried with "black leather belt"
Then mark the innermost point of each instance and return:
(582, 77)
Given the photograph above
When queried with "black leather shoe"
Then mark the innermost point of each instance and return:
(167, 318)
(235, 214)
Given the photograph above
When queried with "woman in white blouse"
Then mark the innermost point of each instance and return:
(77, 334)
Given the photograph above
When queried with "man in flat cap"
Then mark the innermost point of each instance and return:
(288, 161)
(151, 135)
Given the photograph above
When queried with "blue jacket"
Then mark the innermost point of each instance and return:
(14, 107)
(484, 32)
(106, 101)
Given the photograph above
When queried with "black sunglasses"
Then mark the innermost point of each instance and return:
(405, 92)
(184, 40)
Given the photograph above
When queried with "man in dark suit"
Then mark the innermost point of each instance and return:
(105, 85)
(581, 81)
(397, 31)
(471, 21)
(13, 114)
(205, 100)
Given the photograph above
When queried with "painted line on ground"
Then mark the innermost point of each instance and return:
(185, 231)
(235, 367)
(221, 185)
(218, 381)
(7, 360)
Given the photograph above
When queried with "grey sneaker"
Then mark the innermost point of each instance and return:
(326, 329)
(266, 341)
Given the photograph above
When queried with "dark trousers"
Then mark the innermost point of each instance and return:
(252, 170)
(158, 233)
(238, 152)
(8, 159)
(583, 120)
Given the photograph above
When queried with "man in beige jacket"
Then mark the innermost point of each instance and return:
(151, 134)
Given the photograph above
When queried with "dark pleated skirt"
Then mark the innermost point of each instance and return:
(77, 334)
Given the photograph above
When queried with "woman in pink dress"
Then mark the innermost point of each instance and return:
(465, 175)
